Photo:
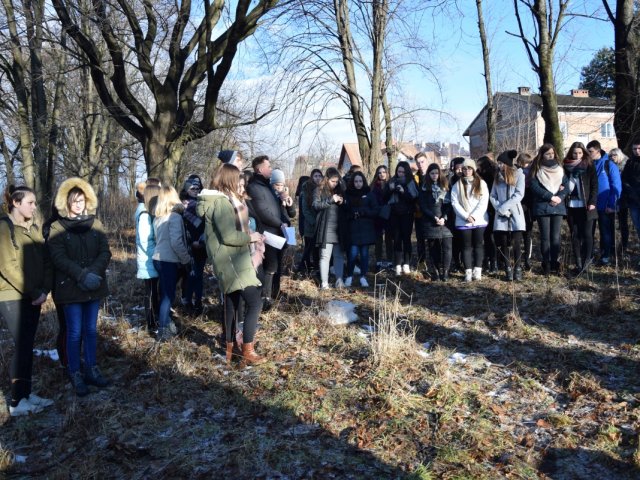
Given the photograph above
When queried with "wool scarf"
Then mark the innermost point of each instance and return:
(550, 177)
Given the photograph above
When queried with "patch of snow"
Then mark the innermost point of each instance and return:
(137, 308)
(20, 458)
(52, 354)
(457, 358)
(368, 329)
(424, 354)
(339, 312)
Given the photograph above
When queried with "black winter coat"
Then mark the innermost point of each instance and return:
(540, 198)
(401, 203)
(267, 207)
(362, 210)
(631, 182)
(432, 208)
(589, 181)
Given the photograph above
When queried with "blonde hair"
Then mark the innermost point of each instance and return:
(167, 199)
(151, 193)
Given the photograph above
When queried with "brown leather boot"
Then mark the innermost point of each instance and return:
(249, 355)
(229, 351)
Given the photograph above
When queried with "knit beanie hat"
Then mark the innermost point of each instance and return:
(507, 157)
(277, 176)
(469, 162)
(227, 156)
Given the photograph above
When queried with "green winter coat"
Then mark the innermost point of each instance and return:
(78, 246)
(25, 269)
(227, 247)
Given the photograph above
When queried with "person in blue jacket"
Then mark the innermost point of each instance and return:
(609, 190)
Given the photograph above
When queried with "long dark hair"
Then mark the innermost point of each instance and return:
(376, 180)
(310, 186)
(535, 165)
(586, 158)
(442, 179)
(325, 189)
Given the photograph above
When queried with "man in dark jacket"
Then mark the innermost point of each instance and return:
(269, 218)
(631, 184)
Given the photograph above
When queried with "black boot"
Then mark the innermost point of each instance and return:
(545, 269)
(94, 377)
(78, 384)
(444, 275)
(493, 269)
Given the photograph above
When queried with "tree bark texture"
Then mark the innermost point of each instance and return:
(491, 110)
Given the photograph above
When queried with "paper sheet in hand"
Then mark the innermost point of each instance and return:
(290, 235)
(274, 240)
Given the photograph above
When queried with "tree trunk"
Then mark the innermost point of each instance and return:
(627, 83)
(341, 10)
(8, 160)
(392, 157)
(491, 111)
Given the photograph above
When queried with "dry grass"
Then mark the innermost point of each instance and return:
(511, 373)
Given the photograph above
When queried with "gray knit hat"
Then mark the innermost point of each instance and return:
(277, 176)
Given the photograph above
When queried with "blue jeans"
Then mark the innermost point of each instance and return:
(354, 251)
(82, 319)
(606, 226)
(635, 218)
(168, 274)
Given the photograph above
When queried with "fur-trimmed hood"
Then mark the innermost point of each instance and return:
(65, 187)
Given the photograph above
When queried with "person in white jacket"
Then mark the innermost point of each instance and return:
(470, 199)
(171, 251)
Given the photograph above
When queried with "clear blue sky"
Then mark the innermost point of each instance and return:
(457, 59)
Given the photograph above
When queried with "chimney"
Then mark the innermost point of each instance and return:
(525, 91)
(580, 92)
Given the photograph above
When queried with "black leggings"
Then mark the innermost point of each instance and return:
(402, 226)
(151, 302)
(472, 247)
(247, 314)
(384, 236)
(310, 255)
(440, 252)
(505, 242)
(550, 228)
(581, 235)
(22, 321)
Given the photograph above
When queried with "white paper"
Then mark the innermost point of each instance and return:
(290, 235)
(274, 240)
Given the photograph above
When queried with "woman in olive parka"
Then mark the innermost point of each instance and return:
(229, 241)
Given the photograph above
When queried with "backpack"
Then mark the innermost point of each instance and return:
(11, 230)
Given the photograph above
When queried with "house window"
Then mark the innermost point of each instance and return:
(564, 129)
(606, 130)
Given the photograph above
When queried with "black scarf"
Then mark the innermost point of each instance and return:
(79, 224)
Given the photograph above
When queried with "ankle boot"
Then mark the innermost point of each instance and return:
(508, 274)
(229, 355)
(249, 355)
(517, 274)
(545, 268)
(444, 275)
(94, 377)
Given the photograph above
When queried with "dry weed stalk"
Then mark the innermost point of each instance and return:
(393, 336)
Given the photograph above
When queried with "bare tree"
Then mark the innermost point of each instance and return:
(626, 24)
(491, 111)
(540, 49)
(348, 54)
(22, 65)
(175, 56)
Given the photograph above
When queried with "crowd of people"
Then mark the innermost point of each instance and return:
(475, 216)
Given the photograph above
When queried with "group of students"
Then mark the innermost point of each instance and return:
(67, 257)
(227, 223)
(479, 214)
